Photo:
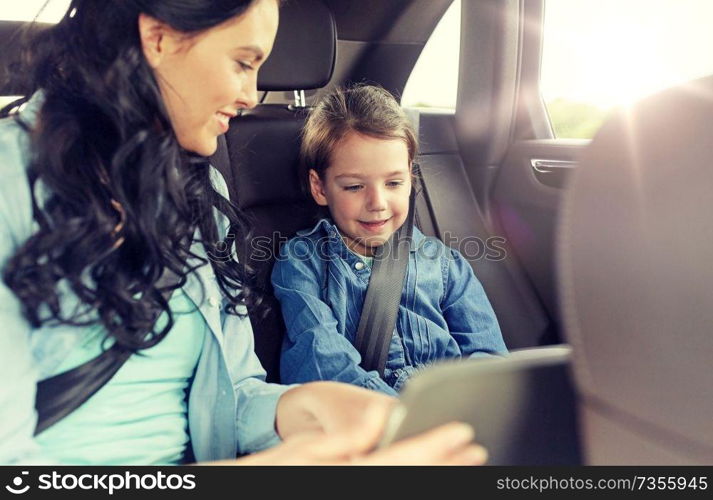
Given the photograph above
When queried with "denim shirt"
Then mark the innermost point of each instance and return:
(321, 285)
(230, 407)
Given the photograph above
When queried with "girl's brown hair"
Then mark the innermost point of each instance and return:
(365, 109)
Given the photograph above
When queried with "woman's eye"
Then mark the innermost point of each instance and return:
(394, 184)
(355, 187)
(245, 66)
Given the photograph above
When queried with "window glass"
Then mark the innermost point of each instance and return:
(50, 11)
(600, 54)
(434, 79)
(47, 11)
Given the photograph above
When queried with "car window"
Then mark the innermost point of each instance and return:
(600, 54)
(434, 79)
(47, 11)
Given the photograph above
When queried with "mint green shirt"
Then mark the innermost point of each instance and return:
(140, 415)
(231, 409)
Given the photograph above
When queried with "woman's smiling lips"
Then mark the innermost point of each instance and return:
(223, 120)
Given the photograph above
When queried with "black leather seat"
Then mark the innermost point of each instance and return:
(259, 161)
(260, 153)
(637, 282)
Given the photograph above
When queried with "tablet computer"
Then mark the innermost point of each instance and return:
(522, 406)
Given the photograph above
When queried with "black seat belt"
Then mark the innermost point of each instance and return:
(383, 295)
(60, 395)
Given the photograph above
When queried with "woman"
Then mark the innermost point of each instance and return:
(112, 236)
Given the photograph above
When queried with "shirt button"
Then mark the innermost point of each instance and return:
(359, 266)
(214, 302)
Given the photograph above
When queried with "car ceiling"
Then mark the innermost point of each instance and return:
(378, 41)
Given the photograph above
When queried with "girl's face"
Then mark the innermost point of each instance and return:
(366, 187)
(205, 79)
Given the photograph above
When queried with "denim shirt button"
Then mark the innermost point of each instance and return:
(359, 266)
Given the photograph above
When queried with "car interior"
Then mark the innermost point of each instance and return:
(587, 228)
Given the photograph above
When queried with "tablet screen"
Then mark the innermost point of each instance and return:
(522, 406)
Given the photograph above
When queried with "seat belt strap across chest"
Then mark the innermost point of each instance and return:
(383, 295)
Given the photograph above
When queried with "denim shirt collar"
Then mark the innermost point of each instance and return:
(326, 228)
(28, 111)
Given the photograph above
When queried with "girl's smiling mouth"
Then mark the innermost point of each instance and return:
(374, 225)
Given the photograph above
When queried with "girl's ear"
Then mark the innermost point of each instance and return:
(316, 187)
(153, 34)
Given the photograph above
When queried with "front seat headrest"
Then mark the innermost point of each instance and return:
(636, 281)
(305, 48)
(302, 58)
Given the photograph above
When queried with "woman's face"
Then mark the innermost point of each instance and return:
(206, 79)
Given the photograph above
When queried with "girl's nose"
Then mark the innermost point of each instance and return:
(377, 200)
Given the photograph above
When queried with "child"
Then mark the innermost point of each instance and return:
(357, 151)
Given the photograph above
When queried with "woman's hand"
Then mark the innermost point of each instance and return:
(329, 407)
(328, 423)
(450, 444)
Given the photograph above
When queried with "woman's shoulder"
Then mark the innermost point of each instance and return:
(15, 198)
(14, 146)
(218, 182)
(15, 138)
(221, 187)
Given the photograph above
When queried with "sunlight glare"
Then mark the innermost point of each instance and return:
(610, 53)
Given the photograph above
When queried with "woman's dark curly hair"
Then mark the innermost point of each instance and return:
(123, 199)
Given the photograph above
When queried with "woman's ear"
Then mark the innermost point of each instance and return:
(316, 187)
(153, 34)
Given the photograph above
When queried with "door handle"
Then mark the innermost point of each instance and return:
(550, 166)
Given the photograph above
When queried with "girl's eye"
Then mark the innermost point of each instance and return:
(355, 187)
(394, 184)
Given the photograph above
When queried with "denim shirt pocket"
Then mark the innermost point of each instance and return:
(421, 301)
(398, 354)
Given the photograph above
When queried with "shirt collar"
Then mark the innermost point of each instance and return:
(29, 110)
(327, 228)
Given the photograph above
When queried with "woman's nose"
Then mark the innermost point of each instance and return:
(248, 94)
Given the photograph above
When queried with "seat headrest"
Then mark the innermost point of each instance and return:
(305, 48)
(264, 146)
(302, 59)
(636, 280)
